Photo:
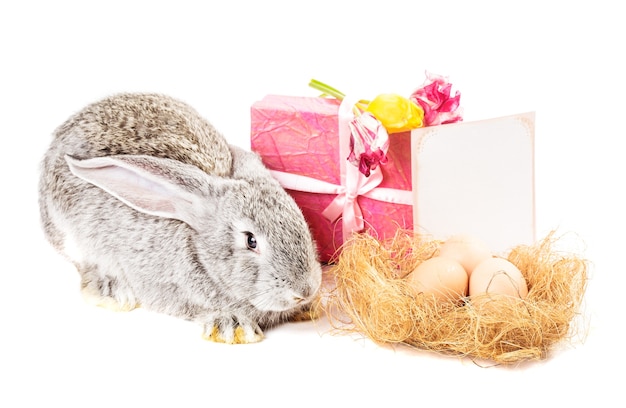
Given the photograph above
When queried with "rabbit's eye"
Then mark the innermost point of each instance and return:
(250, 240)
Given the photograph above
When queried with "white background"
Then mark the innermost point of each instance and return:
(560, 59)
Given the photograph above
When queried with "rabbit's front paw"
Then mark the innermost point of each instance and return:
(313, 311)
(231, 329)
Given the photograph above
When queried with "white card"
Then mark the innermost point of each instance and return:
(476, 178)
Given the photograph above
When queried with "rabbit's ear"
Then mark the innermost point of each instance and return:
(156, 186)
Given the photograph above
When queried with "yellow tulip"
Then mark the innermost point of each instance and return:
(396, 113)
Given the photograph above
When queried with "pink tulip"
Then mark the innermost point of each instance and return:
(369, 143)
(434, 98)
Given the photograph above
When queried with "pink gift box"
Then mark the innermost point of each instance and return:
(300, 136)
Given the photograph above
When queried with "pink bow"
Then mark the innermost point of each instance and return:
(346, 205)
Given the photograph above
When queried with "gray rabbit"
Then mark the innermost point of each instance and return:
(155, 209)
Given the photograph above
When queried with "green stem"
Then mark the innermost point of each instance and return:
(328, 90)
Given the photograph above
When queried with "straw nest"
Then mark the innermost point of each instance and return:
(369, 297)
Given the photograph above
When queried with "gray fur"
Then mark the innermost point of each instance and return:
(155, 209)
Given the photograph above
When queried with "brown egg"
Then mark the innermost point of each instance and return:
(444, 278)
(467, 250)
(497, 276)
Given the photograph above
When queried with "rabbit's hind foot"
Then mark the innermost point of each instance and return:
(93, 295)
